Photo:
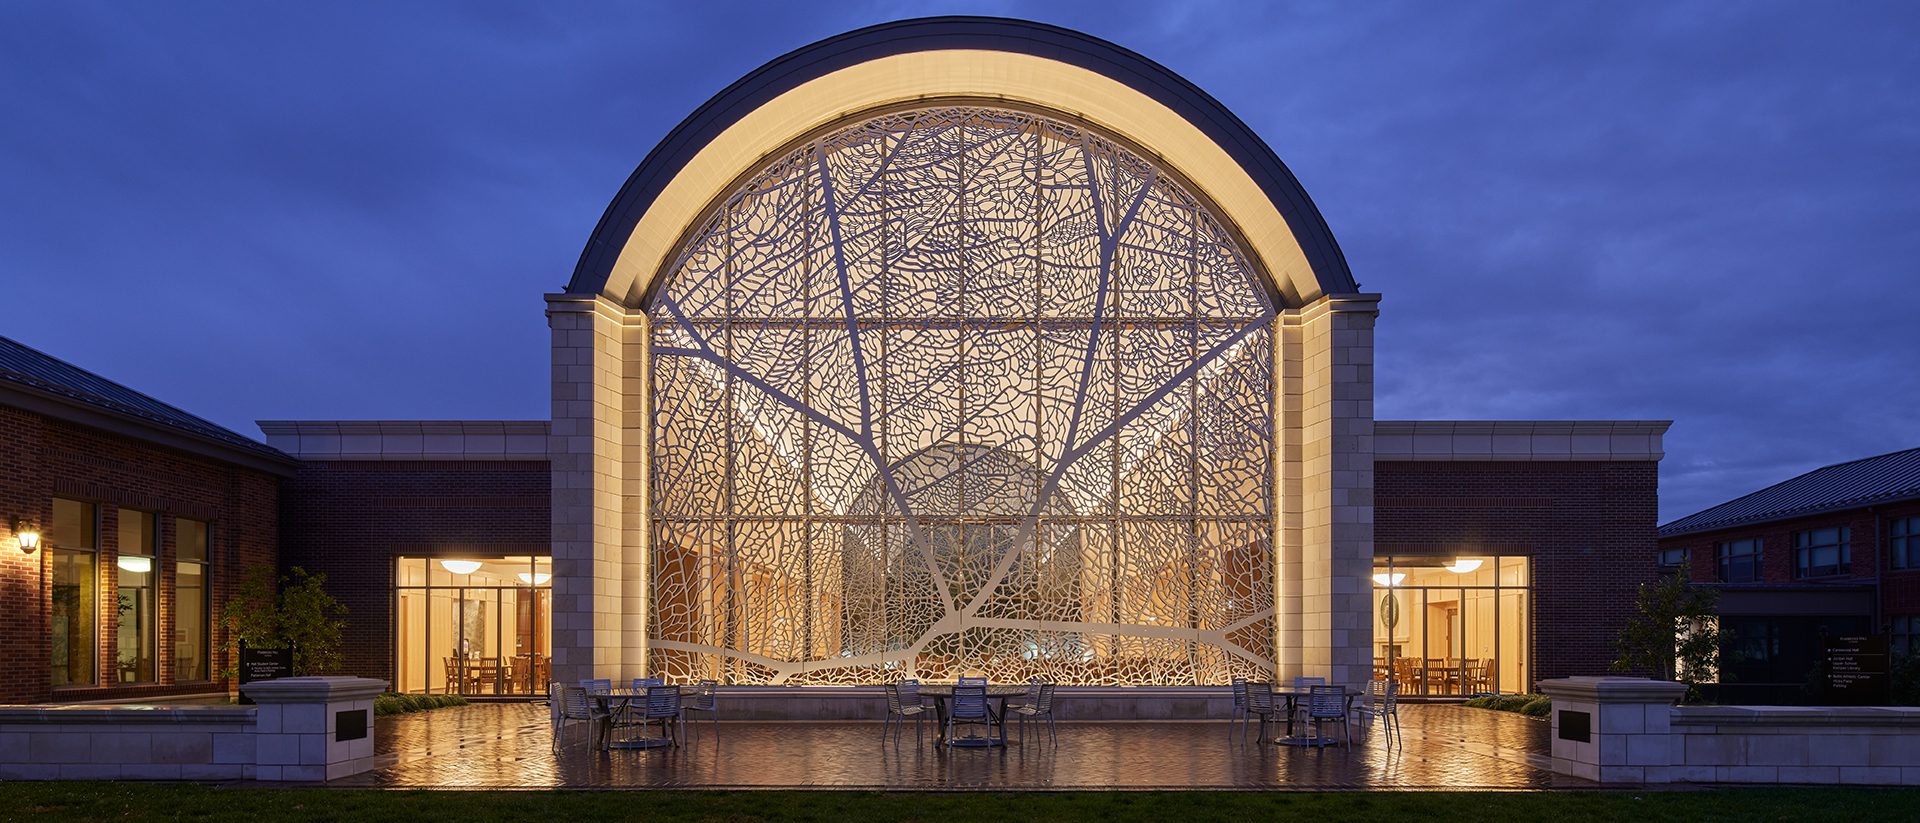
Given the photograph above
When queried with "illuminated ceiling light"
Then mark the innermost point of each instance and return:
(461, 566)
(28, 534)
(1385, 579)
(534, 578)
(1464, 566)
(135, 564)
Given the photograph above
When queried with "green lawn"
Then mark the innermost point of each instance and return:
(48, 802)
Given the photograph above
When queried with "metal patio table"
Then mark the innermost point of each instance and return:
(609, 702)
(1293, 696)
(943, 692)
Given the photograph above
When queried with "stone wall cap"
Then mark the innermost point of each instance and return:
(109, 714)
(313, 689)
(1615, 689)
(1896, 716)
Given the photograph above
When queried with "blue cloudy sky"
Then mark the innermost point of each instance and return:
(1705, 212)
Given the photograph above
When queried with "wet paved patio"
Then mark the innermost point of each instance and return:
(506, 745)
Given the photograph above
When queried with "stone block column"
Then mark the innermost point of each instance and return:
(1614, 729)
(313, 728)
(599, 422)
(1323, 603)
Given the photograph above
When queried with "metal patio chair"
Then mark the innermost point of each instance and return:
(902, 702)
(569, 704)
(663, 707)
(1042, 706)
(706, 698)
(1300, 706)
(1383, 704)
(1260, 706)
(1239, 717)
(648, 682)
(970, 708)
(1327, 703)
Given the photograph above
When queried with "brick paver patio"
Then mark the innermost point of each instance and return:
(507, 745)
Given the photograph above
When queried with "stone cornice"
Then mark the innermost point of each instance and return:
(319, 440)
(1519, 440)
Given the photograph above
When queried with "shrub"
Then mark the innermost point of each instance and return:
(1531, 705)
(391, 703)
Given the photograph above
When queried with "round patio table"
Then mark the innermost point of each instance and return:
(1293, 695)
(942, 692)
(614, 700)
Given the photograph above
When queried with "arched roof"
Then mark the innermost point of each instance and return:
(983, 57)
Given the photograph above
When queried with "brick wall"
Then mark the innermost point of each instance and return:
(1588, 527)
(41, 458)
(351, 519)
(1867, 543)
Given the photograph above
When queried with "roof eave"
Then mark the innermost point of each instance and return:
(72, 410)
(1793, 514)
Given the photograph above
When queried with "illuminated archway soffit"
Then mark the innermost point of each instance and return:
(1048, 67)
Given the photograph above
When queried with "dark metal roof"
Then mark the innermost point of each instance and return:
(1001, 34)
(1864, 482)
(40, 373)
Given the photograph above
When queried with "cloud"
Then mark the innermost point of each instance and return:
(1695, 211)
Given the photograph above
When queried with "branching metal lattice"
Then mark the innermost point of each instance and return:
(962, 389)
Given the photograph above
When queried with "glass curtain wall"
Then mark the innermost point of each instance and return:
(1452, 625)
(74, 555)
(473, 625)
(137, 603)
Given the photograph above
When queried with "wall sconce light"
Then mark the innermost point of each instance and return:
(28, 534)
(461, 566)
(134, 564)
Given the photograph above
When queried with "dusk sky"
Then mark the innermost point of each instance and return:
(1704, 212)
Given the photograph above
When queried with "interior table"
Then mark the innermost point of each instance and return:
(942, 692)
(1293, 695)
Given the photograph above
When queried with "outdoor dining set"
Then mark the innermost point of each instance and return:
(606, 709)
(970, 702)
(959, 709)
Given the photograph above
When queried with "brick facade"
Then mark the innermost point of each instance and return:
(1899, 589)
(351, 518)
(1588, 527)
(42, 458)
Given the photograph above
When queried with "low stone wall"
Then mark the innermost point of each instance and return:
(1069, 703)
(126, 742)
(304, 729)
(1788, 744)
(1627, 730)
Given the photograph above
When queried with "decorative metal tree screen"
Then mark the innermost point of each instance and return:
(962, 390)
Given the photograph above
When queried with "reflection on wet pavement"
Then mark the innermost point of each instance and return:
(507, 745)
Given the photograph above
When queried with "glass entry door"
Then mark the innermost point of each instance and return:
(473, 626)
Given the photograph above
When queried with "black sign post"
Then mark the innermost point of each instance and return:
(1857, 669)
(263, 664)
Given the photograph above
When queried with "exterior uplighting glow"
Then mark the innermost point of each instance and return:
(1464, 566)
(461, 566)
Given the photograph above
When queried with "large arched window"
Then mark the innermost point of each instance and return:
(962, 389)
